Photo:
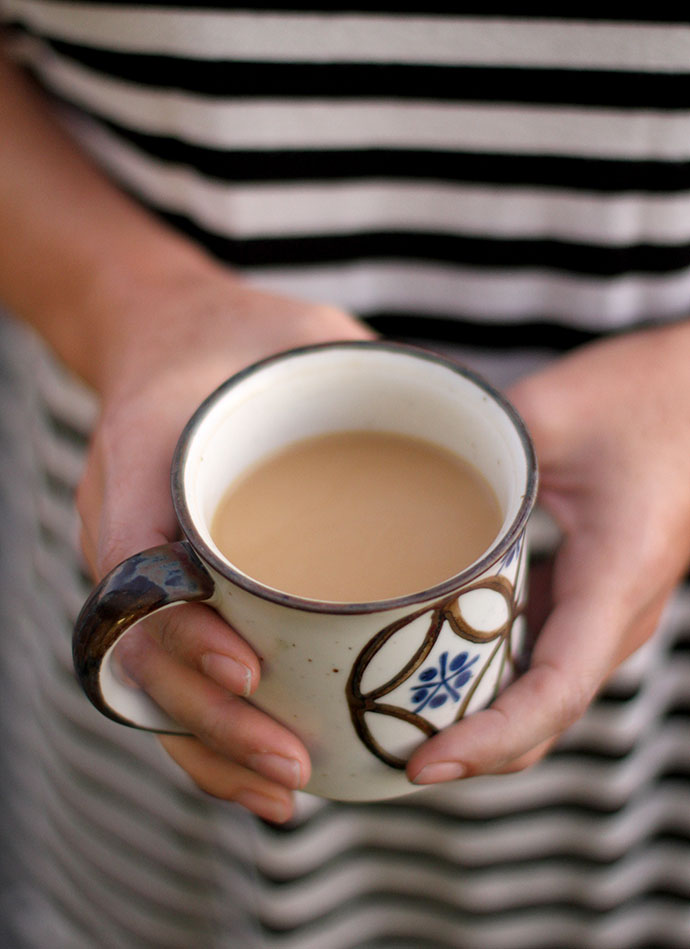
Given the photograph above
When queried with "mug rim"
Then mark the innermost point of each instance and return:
(441, 591)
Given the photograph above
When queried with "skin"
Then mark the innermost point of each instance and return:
(154, 325)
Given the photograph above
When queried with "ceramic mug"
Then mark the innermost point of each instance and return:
(363, 684)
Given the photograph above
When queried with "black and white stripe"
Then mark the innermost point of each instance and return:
(502, 185)
(401, 164)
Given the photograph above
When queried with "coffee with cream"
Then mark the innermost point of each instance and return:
(357, 516)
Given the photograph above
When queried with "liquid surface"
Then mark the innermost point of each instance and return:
(357, 516)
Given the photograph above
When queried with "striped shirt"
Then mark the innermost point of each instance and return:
(498, 180)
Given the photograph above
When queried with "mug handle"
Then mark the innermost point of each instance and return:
(145, 583)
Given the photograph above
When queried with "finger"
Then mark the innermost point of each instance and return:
(197, 637)
(223, 722)
(223, 779)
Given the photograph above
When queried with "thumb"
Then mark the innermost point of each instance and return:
(574, 653)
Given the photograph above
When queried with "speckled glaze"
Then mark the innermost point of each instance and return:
(361, 683)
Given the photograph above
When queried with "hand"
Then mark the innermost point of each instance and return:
(611, 426)
(171, 349)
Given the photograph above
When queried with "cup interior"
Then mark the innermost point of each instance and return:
(344, 387)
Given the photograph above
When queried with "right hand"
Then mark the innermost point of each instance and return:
(172, 347)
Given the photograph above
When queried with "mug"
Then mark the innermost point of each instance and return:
(362, 684)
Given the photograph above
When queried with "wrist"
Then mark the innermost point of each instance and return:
(127, 308)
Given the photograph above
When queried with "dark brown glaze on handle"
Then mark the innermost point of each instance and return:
(140, 585)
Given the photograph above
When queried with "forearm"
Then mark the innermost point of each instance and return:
(70, 239)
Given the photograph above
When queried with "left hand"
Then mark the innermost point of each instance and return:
(169, 346)
(611, 427)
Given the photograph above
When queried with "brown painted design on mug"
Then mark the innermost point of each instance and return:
(448, 612)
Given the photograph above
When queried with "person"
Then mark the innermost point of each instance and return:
(180, 190)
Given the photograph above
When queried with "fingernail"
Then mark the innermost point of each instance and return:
(285, 771)
(270, 808)
(440, 771)
(232, 674)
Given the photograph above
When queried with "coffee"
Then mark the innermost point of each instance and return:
(357, 516)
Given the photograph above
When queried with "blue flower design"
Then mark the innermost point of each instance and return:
(438, 684)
